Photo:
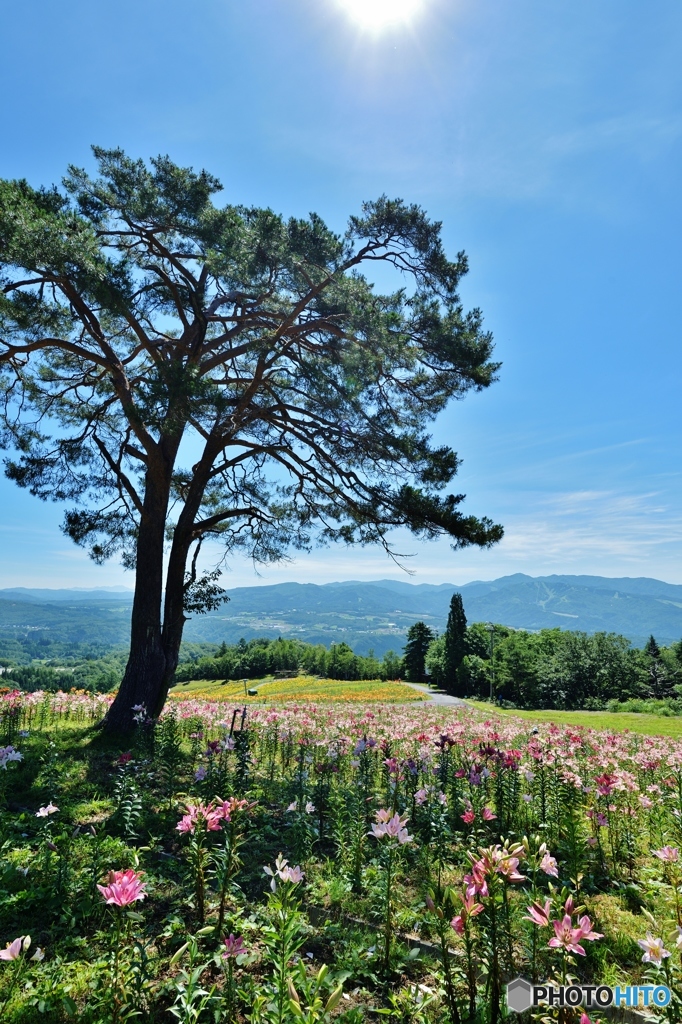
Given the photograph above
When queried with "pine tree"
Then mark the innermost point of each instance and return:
(652, 648)
(419, 637)
(455, 643)
(660, 683)
(141, 320)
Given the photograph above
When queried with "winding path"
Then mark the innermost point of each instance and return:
(435, 697)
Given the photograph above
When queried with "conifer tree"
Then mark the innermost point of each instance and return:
(419, 637)
(455, 643)
(660, 683)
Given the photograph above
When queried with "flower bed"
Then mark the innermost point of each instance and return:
(171, 878)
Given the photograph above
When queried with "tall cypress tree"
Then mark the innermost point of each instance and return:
(419, 637)
(455, 643)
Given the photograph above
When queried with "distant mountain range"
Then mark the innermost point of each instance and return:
(365, 615)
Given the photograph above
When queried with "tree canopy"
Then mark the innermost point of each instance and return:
(176, 370)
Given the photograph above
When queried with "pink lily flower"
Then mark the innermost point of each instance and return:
(294, 875)
(284, 872)
(208, 814)
(539, 915)
(43, 812)
(507, 867)
(476, 882)
(549, 866)
(234, 947)
(566, 936)
(12, 951)
(668, 854)
(654, 952)
(124, 888)
(585, 926)
(393, 828)
(470, 908)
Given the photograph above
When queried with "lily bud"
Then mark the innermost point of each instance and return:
(334, 999)
(178, 953)
(293, 994)
(430, 905)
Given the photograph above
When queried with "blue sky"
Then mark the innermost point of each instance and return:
(546, 137)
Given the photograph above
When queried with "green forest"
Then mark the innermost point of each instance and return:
(560, 669)
(550, 668)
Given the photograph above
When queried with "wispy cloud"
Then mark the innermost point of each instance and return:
(596, 532)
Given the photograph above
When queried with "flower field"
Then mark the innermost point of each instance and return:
(308, 688)
(325, 861)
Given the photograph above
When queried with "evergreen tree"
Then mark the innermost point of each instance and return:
(455, 643)
(660, 684)
(419, 637)
(652, 649)
(141, 320)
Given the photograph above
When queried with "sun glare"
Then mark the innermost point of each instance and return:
(375, 15)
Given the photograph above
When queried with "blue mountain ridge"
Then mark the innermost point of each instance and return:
(367, 615)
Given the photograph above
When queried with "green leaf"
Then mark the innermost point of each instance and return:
(69, 1006)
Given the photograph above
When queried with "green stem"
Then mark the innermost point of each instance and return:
(471, 971)
(114, 980)
(447, 971)
(494, 966)
(389, 922)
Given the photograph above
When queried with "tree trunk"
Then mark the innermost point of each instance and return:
(142, 683)
(155, 648)
(174, 617)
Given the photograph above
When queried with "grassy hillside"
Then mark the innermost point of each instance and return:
(647, 725)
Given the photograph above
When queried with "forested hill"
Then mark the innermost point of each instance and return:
(49, 623)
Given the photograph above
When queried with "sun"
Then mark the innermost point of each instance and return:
(375, 15)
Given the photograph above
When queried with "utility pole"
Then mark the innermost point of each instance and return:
(490, 626)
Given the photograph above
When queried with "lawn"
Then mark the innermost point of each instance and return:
(626, 721)
(308, 688)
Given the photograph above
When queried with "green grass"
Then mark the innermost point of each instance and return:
(648, 725)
